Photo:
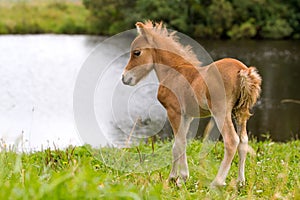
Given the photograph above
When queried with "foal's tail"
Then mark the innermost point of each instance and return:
(250, 82)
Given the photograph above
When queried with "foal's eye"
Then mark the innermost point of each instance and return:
(137, 52)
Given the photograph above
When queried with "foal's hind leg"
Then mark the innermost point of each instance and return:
(242, 148)
(231, 141)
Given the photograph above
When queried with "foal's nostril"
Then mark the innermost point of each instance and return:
(126, 82)
(129, 80)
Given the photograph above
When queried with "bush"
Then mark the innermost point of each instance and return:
(3, 28)
(272, 19)
(108, 17)
(245, 30)
(276, 29)
(70, 26)
(219, 18)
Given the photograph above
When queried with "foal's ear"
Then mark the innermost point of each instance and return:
(140, 28)
(144, 31)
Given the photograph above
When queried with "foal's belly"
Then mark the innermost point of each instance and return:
(202, 113)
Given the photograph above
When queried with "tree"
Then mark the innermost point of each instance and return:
(272, 19)
(109, 17)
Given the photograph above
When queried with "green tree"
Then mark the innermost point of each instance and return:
(245, 30)
(175, 15)
(237, 19)
(109, 16)
(276, 29)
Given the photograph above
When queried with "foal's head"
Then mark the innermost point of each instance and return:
(141, 56)
(153, 43)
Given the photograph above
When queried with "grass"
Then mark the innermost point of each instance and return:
(42, 16)
(80, 173)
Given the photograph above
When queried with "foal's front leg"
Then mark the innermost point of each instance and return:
(180, 127)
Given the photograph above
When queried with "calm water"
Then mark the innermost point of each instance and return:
(39, 72)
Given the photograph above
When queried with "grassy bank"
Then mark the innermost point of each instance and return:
(79, 173)
(42, 16)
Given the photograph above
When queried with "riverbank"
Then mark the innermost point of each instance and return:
(43, 16)
(78, 173)
(213, 19)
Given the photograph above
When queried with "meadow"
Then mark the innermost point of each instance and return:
(273, 172)
(42, 16)
(80, 173)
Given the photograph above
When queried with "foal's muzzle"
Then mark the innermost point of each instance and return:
(126, 81)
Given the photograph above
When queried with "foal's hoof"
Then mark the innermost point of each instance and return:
(241, 184)
(176, 181)
(217, 185)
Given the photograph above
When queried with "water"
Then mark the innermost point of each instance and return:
(38, 74)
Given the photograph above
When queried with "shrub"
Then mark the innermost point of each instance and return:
(245, 30)
(276, 29)
(274, 19)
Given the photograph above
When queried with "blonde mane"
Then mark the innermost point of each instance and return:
(158, 30)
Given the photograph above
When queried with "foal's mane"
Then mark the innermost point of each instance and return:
(170, 39)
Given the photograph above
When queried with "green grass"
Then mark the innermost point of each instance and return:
(42, 16)
(80, 173)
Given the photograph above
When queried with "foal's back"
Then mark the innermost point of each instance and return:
(222, 77)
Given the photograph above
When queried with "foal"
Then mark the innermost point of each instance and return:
(225, 89)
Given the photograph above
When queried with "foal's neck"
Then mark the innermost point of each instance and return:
(169, 65)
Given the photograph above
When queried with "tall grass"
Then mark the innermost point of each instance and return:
(80, 173)
(42, 16)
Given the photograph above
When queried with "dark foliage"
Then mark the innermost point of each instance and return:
(236, 19)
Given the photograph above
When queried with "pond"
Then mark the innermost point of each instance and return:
(39, 73)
